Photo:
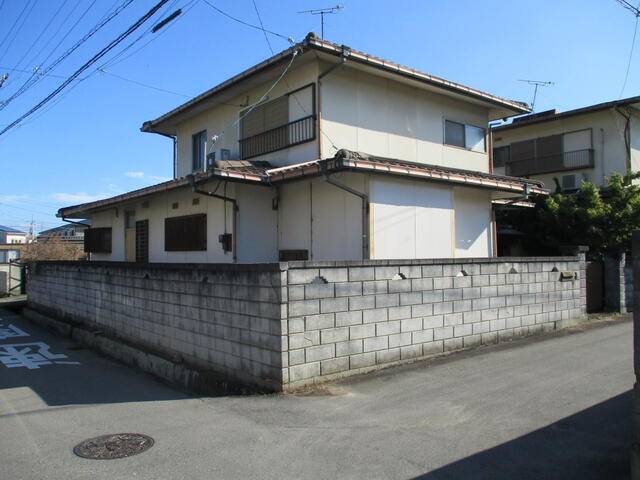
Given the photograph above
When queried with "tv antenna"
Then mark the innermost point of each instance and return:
(537, 84)
(322, 12)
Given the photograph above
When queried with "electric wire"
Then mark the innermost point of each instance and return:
(633, 43)
(88, 64)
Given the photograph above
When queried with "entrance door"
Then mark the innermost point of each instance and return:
(130, 236)
(142, 241)
(595, 284)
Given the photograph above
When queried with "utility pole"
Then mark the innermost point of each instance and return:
(322, 12)
(537, 84)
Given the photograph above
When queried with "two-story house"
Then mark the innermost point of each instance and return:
(568, 147)
(320, 152)
(9, 235)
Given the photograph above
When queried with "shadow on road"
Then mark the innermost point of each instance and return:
(591, 444)
(82, 377)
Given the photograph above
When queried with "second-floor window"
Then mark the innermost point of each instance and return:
(199, 150)
(464, 136)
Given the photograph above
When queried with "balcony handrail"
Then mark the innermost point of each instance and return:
(535, 157)
(579, 159)
(308, 133)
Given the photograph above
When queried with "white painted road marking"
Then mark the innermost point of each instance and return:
(30, 355)
(11, 331)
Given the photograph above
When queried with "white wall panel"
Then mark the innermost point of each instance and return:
(473, 222)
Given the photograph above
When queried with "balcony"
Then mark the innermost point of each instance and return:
(560, 162)
(284, 136)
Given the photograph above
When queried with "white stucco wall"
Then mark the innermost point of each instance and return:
(383, 117)
(321, 218)
(608, 143)
(473, 227)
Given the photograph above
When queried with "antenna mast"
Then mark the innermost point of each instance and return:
(537, 83)
(322, 12)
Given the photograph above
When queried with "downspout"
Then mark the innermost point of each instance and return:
(365, 209)
(346, 51)
(235, 207)
(627, 145)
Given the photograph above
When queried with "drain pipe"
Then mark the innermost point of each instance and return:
(627, 118)
(232, 201)
(365, 209)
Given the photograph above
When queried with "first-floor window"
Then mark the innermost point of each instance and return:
(97, 240)
(199, 150)
(464, 136)
(185, 234)
(501, 156)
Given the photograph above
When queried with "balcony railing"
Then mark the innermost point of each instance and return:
(551, 163)
(284, 136)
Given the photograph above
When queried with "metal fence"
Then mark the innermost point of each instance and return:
(288, 135)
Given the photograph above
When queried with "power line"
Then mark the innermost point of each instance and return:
(247, 24)
(26, 85)
(19, 28)
(88, 64)
(266, 37)
(30, 71)
(26, 5)
(135, 82)
(633, 43)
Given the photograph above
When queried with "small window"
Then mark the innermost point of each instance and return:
(454, 134)
(130, 219)
(199, 150)
(464, 136)
(97, 240)
(185, 234)
(501, 156)
(225, 154)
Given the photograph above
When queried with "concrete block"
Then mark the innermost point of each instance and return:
(375, 315)
(410, 324)
(387, 328)
(320, 352)
(441, 283)
(505, 335)
(421, 284)
(452, 344)
(433, 322)
(329, 305)
(399, 313)
(442, 333)
(333, 275)
(480, 280)
(302, 276)
(413, 298)
(400, 340)
(432, 270)
(481, 327)
(361, 273)
(396, 286)
(304, 371)
(433, 348)
(452, 294)
(480, 304)
(299, 308)
(471, 341)
(432, 297)
(489, 338)
(296, 357)
(461, 282)
(362, 331)
(472, 316)
(462, 330)
(422, 336)
(387, 356)
(348, 348)
(296, 292)
(319, 290)
(302, 340)
(388, 300)
(362, 303)
(344, 319)
(334, 365)
(348, 289)
(333, 335)
(453, 319)
(462, 306)
(386, 273)
(317, 322)
(362, 360)
(444, 307)
(490, 314)
(375, 287)
(410, 351)
(422, 310)
(376, 343)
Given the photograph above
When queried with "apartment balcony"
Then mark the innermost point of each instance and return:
(284, 136)
(574, 160)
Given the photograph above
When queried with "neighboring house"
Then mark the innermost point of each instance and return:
(288, 179)
(588, 144)
(10, 235)
(70, 232)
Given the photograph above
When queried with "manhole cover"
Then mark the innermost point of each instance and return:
(118, 445)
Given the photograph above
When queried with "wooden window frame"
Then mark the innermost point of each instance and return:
(203, 161)
(98, 240)
(464, 136)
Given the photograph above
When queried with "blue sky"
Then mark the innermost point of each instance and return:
(88, 145)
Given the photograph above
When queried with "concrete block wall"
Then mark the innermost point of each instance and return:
(351, 317)
(635, 415)
(618, 283)
(223, 318)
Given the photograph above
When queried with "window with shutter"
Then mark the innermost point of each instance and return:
(185, 234)
(97, 240)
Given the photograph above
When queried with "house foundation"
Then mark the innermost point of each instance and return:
(286, 325)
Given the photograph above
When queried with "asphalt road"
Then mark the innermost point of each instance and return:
(557, 408)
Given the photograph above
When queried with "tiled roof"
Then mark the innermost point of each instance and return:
(260, 173)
